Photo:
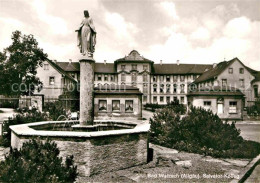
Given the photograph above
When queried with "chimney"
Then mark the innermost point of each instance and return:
(160, 62)
(55, 61)
(178, 62)
(214, 65)
(105, 62)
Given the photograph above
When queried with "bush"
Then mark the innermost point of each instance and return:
(37, 162)
(27, 117)
(174, 105)
(202, 132)
(55, 109)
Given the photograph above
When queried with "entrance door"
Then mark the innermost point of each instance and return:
(220, 108)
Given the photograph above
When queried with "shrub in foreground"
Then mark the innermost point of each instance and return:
(37, 162)
(27, 117)
(202, 132)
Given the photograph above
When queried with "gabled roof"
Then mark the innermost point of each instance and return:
(69, 66)
(217, 70)
(215, 91)
(60, 70)
(181, 68)
(134, 56)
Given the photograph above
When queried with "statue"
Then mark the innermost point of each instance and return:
(87, 36)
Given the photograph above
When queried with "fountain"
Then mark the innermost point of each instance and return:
(98, 146)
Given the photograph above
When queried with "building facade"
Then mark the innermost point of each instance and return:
(160, 83)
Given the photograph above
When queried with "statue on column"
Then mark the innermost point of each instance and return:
(87, 36)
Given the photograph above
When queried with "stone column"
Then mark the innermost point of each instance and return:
(86, 91)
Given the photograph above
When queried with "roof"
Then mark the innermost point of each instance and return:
(117, 89)
(215, 91)
(60, 70)
(134, 56)
(181, 68)
(218, 69)
(69, 66)
(99, 67)
(104, 68)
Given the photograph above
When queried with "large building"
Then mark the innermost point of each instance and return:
(160, 83)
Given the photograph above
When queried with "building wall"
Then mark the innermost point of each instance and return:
(122, 114)
(51, 91)
(234, 80)
(198, 101)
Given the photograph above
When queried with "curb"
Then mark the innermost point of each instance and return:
(247, 171)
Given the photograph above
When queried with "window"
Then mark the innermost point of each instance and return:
(161, 99)
(175, 78)
(161, 88)
(256, 90)
(144, 98)
(52, 80)
(207, 103)
(182, 88)
(145, 77)
(168, 98)
(115, 105)
(230, 70)
(46, 66)
(122, 67)
(129, 106)
(155, 99)
(182, 100)
(145, 88)
(232, 107)
(154, 79)
(224, 82)
(175, 98)
(73, 75)
(168, 88)
(133, 77)
(134, 66)
(154, 88)
(242, 82)
(102, 105)
(182, 78)
(133, 83)
(241, 70)
(168, 79)
(175, 88)
(123, 77)
(105, 78)
(145, 67)
(112, 78)
(99, 77)
(161, 78)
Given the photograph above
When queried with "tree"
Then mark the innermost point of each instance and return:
(37, 162)
(19, 63)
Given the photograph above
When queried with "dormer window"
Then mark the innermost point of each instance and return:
(134, 66)
(230, 70)
(122, 67)
(241, 70)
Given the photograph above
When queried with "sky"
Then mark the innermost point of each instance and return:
(191, 31)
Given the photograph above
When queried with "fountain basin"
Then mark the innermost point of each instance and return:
(94, 151)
